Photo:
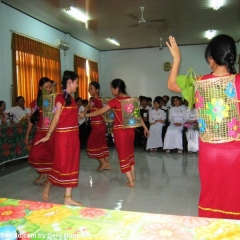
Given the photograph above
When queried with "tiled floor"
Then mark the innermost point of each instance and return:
(165, 183)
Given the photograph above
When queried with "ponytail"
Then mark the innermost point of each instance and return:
(68, 75)
(229, 60)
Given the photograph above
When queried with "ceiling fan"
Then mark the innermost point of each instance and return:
(143, 20)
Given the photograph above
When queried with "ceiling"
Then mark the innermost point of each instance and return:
(186, 20)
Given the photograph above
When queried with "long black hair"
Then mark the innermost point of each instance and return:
(95, 84)
(35, 116)
(120, 84)
(222, 50)
(68, 75)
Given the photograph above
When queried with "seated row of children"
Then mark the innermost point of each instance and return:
(174, 120)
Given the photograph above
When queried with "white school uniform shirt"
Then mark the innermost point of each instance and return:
(177, 115)
(82, 120)
(157, 115)
(18, 113)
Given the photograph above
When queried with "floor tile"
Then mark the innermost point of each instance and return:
(165, 183)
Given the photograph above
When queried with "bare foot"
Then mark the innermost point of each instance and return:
(45, 192)
(44, 183)
(103, 165)
(69, 201)
(39, 180)
(107, 167)
(130, 184)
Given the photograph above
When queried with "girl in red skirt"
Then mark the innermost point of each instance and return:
(124, 137)
(219, 163)
(97, 146)
(66, 151)
(40, 155)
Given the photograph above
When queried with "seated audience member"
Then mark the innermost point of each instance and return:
(149, 102)
(81, 123)
(177, 118)
(192, 130)
(19, 111)
(166, 110)
(185, 103)
(165, 99)
(156, 119)
(140, 139)
(140, 99)
(4, 117)
(143, 103)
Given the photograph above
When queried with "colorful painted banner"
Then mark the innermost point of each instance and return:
(48, 221)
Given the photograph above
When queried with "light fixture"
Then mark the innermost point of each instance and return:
(216, 4)
(77, 14)
(113, 41)
(67, 8)
(210, 34)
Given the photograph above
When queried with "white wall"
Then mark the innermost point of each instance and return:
(142, 69)
(12, 19)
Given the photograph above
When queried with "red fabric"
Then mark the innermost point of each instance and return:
(41, 156)
(97, 146)
(219, 166)
(66, 159)
(124, 138)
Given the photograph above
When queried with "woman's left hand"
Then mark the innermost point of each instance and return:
(45, 139)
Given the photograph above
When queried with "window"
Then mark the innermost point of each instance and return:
(87, 72)
(33, 60)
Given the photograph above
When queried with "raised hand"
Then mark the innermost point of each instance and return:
(173, 47)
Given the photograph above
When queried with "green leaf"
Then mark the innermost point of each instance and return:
(186, 84)
(181, 81)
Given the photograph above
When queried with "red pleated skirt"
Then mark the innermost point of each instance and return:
(97, 145)
(124, 142)
(66, 161)
(219, 169)
(41, 155)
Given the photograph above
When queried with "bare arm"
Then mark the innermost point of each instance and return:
(146, 132)
(29, 128)
(53, 123)
(95, 113)
(173, 47)
(86, 109)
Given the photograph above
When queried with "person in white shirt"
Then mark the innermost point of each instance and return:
(177, 118)
(165, 99)
(156, 119)
(20, 110)
(140, 139)
(192, 131)
(149, 102)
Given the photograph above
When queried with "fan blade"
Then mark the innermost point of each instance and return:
(132, 16)
(157, 21)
